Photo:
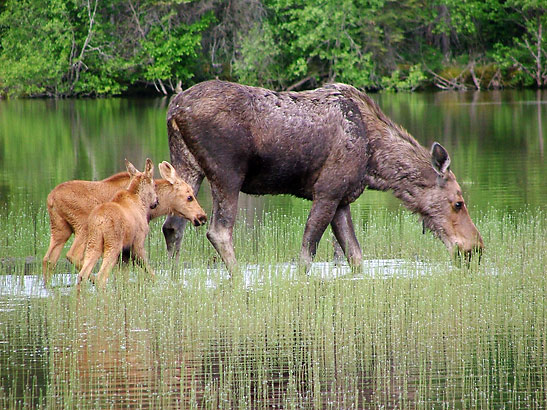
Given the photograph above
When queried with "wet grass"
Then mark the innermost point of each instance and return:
(412, 330)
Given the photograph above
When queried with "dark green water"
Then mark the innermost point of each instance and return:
(495, 139)
(411, 331)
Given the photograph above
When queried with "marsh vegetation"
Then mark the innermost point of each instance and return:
(412, 329)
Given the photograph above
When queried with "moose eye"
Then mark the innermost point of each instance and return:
(190, 198)
(458, 205)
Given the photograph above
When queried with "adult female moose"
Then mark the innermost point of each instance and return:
(325, 145)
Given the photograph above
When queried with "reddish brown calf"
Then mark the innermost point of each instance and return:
(70, 203)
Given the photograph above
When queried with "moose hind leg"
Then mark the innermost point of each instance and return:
(92, 255)
(342, 227)
(138, 254)
(109, 261)
(76, 252)
(60, 232)
(321, 214)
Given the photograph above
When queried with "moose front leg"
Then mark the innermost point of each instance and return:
(222, 225)
(342, 227)
(173, 229)
(138, 255)
(321, 214)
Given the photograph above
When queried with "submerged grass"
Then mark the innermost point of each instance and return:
(417, 332)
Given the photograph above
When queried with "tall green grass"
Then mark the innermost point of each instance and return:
(435, 334)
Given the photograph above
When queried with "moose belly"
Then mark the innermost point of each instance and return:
(262, 179)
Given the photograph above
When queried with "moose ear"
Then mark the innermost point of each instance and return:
(168, 172)
(149, 168)
(440, 160)
(131, 168)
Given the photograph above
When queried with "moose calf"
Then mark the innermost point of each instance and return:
(70, 203)
(121, 224)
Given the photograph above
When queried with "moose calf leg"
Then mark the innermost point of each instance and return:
(91, 258)
(76, 252)
(138, 253)
(110, 258)
(60, 232)
(342, 227)
(51, 258)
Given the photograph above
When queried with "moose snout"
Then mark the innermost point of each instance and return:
(469, 254)
(200, 220)
(469, 251)
(154, 205)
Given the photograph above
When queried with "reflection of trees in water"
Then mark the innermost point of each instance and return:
(540, 123)
(45, 142)
(253, 374)
(23, 359)
(99, 354)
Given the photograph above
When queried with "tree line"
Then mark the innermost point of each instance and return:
(63, 48)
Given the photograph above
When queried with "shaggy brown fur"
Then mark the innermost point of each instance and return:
(325, 145)
(120, 223)
(70, 203)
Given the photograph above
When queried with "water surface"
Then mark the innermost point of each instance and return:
(495, 139)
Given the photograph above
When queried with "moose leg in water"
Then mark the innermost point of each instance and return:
(222, 224)
(173, 229)
(320, 216)
(342, 227)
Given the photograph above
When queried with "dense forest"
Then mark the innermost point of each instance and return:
(64, 48)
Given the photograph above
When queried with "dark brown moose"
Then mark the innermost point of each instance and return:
(325, 145)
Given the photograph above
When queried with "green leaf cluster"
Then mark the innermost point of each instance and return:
(92, 47)
(109, 47)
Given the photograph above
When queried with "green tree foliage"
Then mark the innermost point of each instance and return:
(169, 50)
(314, 41)
(527, 52)
(93, 47)
(106, 47)
(36, 37)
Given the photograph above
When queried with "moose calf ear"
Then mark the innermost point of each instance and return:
(149, 168)
(440, 160)
(168, 172)
(130, 167)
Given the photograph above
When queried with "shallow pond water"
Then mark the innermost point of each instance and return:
(396, 335)
(32, 286)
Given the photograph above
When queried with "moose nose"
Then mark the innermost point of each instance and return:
(469, 253)
(200, 220)
(154, 205)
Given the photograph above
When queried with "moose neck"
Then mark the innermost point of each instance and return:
(162, 190)
(134, 185)
(399, 163)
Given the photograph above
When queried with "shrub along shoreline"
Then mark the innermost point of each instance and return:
(119, 47)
